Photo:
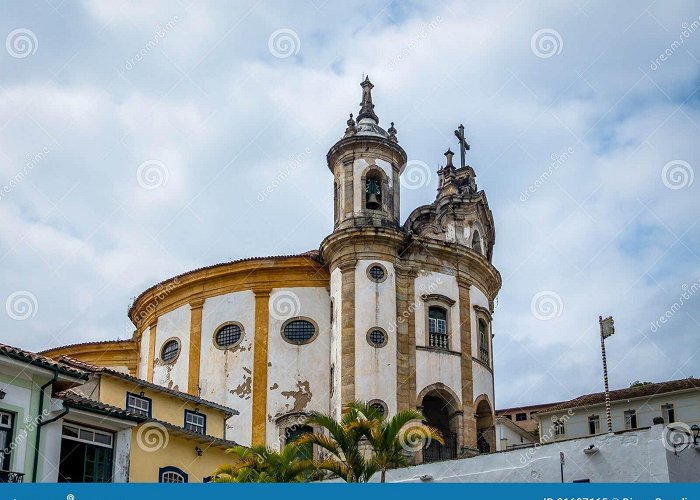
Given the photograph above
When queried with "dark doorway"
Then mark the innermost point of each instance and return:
(437, 415)
(86, 455)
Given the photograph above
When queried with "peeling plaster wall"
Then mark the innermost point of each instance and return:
(335, 350)
(298, 375)
(375, 306)
(434, 366)
(176, 324)
(226, 374)
(122, 453)
(358, 168)
(143, 354)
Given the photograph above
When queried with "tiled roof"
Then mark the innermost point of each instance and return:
(179, 394)
(94, 342)
(72, 398)
(629, 393)
(41, 361)
(526, 408)
(311, 254)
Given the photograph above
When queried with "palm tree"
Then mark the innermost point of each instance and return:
(259, 464)
(393, 439)
(343, 442)
(362, 426)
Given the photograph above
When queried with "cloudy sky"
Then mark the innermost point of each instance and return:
(139, 140)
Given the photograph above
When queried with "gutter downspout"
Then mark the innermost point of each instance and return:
(40, 419)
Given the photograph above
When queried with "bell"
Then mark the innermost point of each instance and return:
(373, 202)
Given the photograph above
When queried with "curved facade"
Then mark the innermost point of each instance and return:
(396, 314)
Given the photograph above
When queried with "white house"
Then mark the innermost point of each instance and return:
(675, 401)
(510, 435)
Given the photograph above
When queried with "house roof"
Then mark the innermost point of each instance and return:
(528, 408)
(640, 391)
(41, 361)
(515, 427)
(88, 367)
(73, 399)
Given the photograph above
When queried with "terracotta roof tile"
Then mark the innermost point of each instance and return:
(39, 360)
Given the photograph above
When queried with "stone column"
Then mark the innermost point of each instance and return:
(196, 307)
(468, 437)
(347, 332)
(262, 320)
(405, 338)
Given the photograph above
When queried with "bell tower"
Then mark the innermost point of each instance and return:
(366, 164)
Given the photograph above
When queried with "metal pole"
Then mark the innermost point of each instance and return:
(605, 375)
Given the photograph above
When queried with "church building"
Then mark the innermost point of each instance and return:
(397, 314)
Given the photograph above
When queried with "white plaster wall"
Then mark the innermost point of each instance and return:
(483, 382)
(686, 405)
(122, 451)
(175, 323)
(436, 366)
(17, 396)
(336, 351)
(50, 457)
(443, 284)
(358, 168)
(298, 375)
(637, 456)
(477, 298)
(375, 306)
(512, 437)
(226, 375)
(143, 353)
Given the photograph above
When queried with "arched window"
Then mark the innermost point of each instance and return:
(171, 474)
(373, 190)
(476, 242)
(483, 342)
(291, 434)
(379, 406)
(437, 327)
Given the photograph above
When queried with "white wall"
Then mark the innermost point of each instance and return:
(144, 348)
(375, 306)
(686, 405)
(336, 344)
(483, 382)
(512, 437)
(226, 374)
(175, 323)
(298, 375)
(636, 456)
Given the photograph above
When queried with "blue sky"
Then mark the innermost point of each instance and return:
(206, 104)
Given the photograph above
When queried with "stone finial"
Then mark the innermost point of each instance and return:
(366, 106)
(392, 133)
(351, 130)
(449, 154)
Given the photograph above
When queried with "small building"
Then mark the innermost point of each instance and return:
(674, 401)
(180, 437)
(40, 433)
(510, 435)
(524, 416)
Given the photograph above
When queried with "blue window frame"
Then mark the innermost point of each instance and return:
(141, 405)
(171, 474)
(195, 422)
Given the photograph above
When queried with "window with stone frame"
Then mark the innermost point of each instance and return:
(483, 334)
(373, 190)
(437, 327)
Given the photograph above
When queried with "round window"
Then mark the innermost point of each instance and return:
(299, 331)
(377, 337)
(170, 351)
(379, 406)
(376, 273)
(228, 335)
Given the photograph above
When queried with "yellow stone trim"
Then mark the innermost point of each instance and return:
(262, 313)
(195, 346)
(151, 349)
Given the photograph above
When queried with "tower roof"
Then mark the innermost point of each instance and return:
(367, 119)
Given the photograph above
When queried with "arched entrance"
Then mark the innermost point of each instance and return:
(485, 429)
(442, 411)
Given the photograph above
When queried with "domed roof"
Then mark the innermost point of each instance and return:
(367, 120)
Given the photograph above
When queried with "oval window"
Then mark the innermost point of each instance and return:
(299, 331)
(170, 351)
(228, 335)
